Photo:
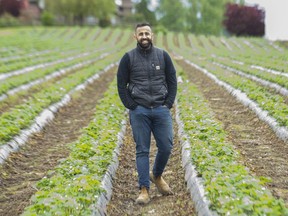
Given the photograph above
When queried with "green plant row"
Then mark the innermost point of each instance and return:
(275, 78)
(73, 188)
(69, 46)
(260, 52)
(23, 44)
(16, 81)
(30, 62)
(71, 50)
(23, 115)
(273, 103)
(227, 184)
(28, 40)
(28, 56)
(25, 62)
(25, 78)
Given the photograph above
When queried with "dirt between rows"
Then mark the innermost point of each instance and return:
(42, 152)
(23, 96)
(261, 150)
(126, 189)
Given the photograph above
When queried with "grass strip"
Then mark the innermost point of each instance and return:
(228, 185)
(74, 187)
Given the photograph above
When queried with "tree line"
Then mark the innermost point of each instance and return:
(209, 17)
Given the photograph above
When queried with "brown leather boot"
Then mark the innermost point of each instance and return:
(161, 185)
(143, 196)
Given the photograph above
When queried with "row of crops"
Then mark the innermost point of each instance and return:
(229, 187)
(241, 69)
(51, 85)
(50, 65)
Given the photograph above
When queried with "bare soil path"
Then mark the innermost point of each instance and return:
(43, 151)
(23, 96)
(261, 150)
(125, 186)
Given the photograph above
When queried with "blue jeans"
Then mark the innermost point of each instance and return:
(158, 121)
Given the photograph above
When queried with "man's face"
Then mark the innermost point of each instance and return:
(144, 36)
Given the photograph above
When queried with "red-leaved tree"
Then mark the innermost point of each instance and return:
(13, 7)
(244, 20)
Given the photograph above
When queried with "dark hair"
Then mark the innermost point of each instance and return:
(142, 25)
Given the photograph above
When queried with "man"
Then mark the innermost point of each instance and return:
(147, 86)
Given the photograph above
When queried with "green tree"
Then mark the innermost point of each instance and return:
(75, 11)
(206, 16)
(142, 10)
(172, 15)
(47, 19)
(193, 16)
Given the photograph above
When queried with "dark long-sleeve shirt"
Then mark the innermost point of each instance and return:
(123, 80)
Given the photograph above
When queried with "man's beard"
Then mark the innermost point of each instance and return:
(145, 45)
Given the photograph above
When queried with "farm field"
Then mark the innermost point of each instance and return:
(65, 140)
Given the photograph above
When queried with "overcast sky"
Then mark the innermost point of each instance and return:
(276, 21)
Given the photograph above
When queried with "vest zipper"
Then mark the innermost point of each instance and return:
(149, 80)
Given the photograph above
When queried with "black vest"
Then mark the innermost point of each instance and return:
(147, 84)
